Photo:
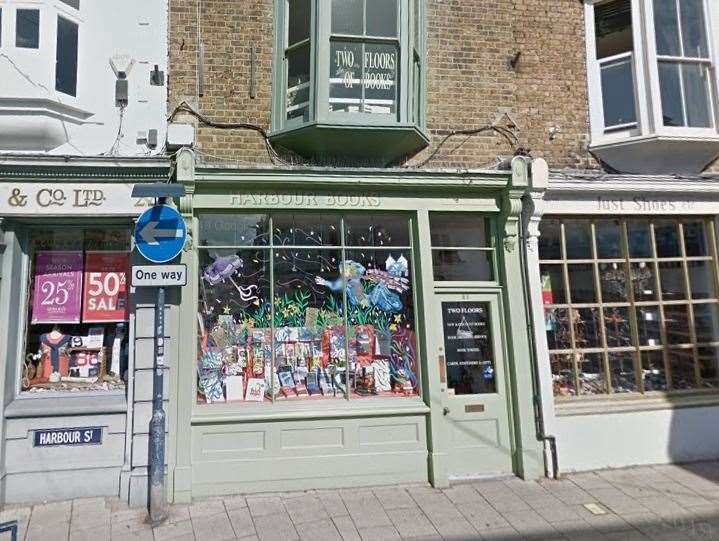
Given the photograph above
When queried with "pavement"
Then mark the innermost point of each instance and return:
(668, 503)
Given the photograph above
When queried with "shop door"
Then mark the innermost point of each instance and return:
(472, 370)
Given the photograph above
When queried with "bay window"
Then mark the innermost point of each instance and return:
(349, 78)
(652, 84)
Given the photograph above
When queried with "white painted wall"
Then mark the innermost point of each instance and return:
(615, 440)
(34, 117)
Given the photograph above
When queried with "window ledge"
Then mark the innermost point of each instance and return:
(58, 406)
(628, 403)
(688, 152)
(375, 145)
(326, 409)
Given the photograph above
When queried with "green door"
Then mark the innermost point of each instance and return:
(468, 345)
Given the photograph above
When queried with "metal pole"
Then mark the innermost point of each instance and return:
(158, 504)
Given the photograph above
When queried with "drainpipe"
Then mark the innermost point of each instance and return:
(529, 237)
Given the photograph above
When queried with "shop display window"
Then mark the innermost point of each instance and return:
(76, 332)
(630, 304)
(305, 306)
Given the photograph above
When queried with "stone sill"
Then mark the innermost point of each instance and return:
(57, 405)
(634, 403)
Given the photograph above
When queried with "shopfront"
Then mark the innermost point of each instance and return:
(630, 297)
(348, 329)
(67, 336)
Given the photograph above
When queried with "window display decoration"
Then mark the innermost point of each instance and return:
(306, 318)
(78, 309)
(630, 304)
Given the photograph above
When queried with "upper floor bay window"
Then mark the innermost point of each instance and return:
(350, 79)
(652, 84)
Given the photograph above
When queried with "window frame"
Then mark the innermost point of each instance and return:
(665, 347)
(412, 48)
(646, 78)
(342, 248)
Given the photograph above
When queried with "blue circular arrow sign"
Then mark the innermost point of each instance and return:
(160, 234)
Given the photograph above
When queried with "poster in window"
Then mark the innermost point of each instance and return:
(468, 347)
(105, 292)
(57, 287)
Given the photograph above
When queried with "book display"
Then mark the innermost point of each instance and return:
(309, 323)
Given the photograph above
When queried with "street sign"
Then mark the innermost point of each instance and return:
(160, 234)
(159, 275)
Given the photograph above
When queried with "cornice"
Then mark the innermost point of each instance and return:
(69, 169)
(567, 183)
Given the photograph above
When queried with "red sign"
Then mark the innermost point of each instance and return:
(105, 291)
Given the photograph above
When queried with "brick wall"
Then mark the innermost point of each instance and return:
(469, 82)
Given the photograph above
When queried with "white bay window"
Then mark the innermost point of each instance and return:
(653, 84)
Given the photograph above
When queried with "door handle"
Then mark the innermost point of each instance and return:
(445, 411)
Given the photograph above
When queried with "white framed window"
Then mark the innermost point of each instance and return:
(651, 68)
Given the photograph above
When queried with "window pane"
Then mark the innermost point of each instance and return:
(696, 95)
(66, 65)
(306, 229)
(345, 76)
(581, 284)
(706, 322)
(644, 281)
(462, 265)
(694, 36)
(672, 278)
(27, 31)
(298, 83)
(613, 281)
(456, 230)
(563, 375)
(347, 17)
(298, 24)
(550, 239)
(376, 230)
(618, 93)
(72, 3)
(666, 27)
(681, 362)
(655, 377)
(695, 239)
(587, 327)
(648, 326)
(382, 339)
(640, 239)
(613, 28)
(380, 78)
(556, 322)
(468, 347)
(310, 336)
(667, 238)
(553, 284)
(617, 327)
(701, 279)
(676, 321)
(591, 373)
(609, 239)
(709, 366)
(579, 239)
(622, 370)
(234, 229)
(671, 94)
(381, 17)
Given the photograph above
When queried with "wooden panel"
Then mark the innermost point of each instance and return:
(388, 434)
(298, 438)
(479, 433)
(233, 442)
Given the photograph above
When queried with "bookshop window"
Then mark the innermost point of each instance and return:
(299, 306)
(631, 305)
(77, 310)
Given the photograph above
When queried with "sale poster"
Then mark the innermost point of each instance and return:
(105, 291)
(57, 287)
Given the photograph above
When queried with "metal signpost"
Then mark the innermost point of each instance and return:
(160, 235)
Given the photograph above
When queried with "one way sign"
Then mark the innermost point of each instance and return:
(160, 234)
